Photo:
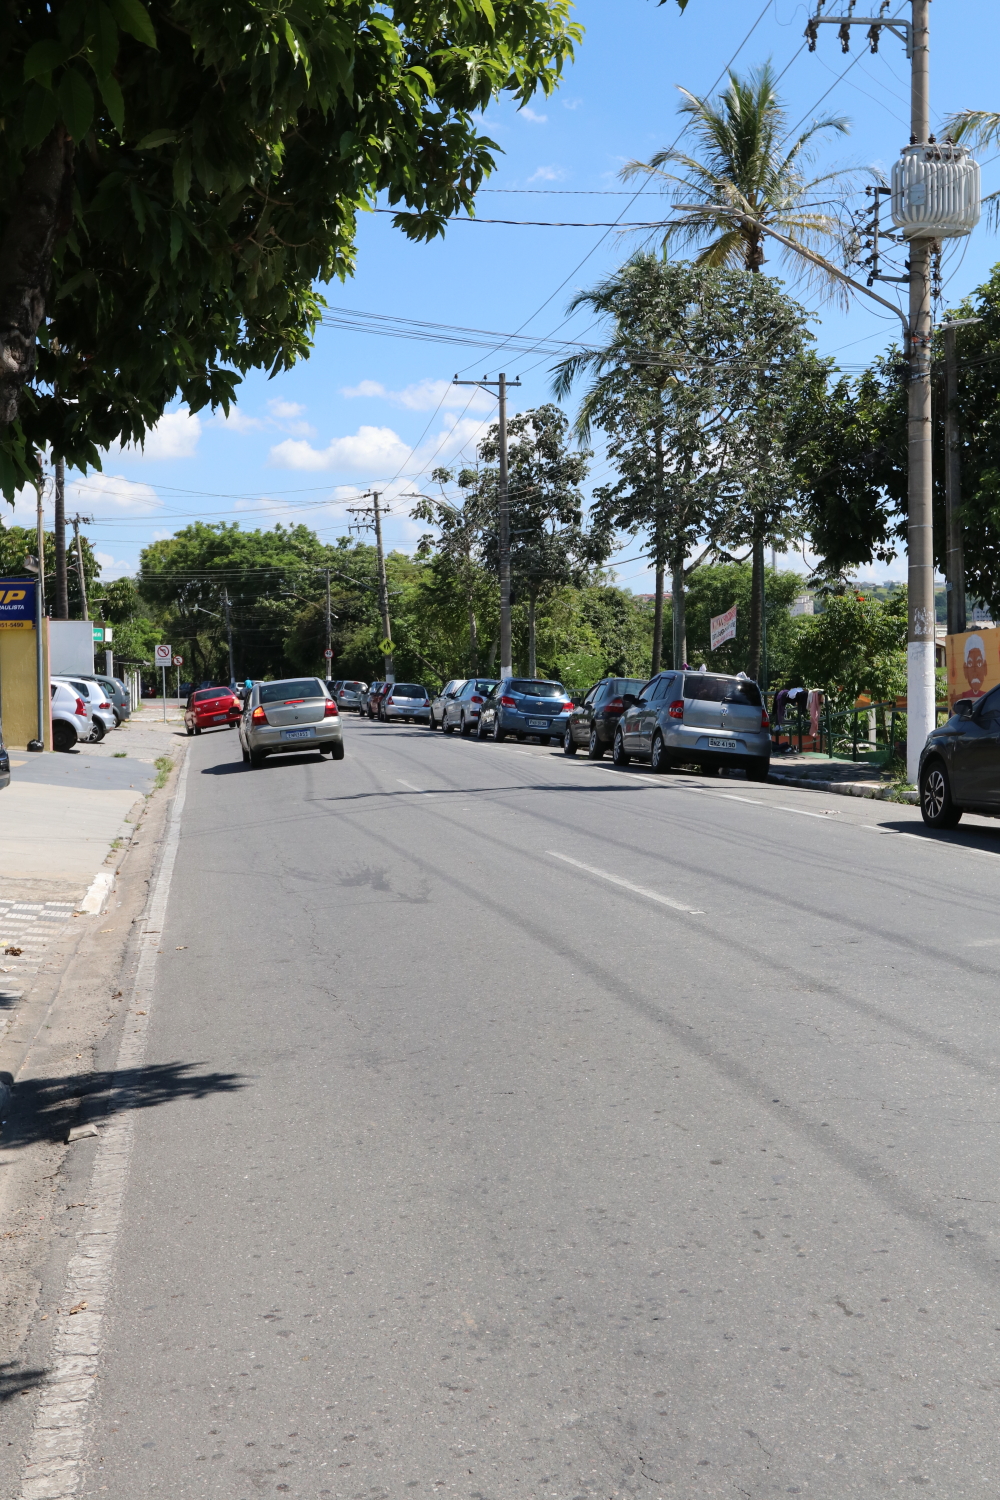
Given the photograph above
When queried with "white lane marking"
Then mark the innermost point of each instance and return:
(411, 788)
(750, 801)
(802, 811)
(60, 1436)
(638, 890)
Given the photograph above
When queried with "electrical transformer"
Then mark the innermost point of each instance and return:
(935, 192)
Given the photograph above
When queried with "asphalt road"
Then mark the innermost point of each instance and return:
(564, 1132)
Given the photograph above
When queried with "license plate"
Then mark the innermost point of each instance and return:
(297, 734)
(218, 718)
(722, 744)
(538, 723)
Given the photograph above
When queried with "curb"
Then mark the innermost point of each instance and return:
(873, 790)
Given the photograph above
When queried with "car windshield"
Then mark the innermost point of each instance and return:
(483, 685)
(722, 689)
(529, 688)
(82, 688)
(205, 693)
(296, 687)
(409, 690)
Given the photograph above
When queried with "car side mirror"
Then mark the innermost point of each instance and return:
(963, 708)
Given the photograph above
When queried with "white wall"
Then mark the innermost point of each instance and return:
(71, 647)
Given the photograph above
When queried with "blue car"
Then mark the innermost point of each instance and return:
(525, 706)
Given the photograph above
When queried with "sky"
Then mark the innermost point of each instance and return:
(366, 410)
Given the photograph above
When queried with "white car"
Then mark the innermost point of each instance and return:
(97, 707)
(70, 720)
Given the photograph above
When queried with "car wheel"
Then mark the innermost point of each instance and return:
(759, 768)
(430, 723)
(98, 732)
(657, 754)
(936, 806)
(63, 735)
(446, 727)
(118, 719)
(257, 759)
(466, 728)
(480, 729)
(619, 754)
(337, 750)
(498, 734)
(595, 749)
(569, 744)
(246, 754)
(188, 731)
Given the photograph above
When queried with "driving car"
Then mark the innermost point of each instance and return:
(287, 717)
(212, 708)
(348, 695)
(707, 719)
(440, 703)
(594, 721)
(70, 721)
(97, 708)
(960, 763)
(462, 709)
(525, 706)
(409, 701)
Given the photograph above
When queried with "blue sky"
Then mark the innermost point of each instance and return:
(369, 410)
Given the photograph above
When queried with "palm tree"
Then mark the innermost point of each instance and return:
(978, 127)
(743, 177)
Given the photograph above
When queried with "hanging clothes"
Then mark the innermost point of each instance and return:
(815, 708)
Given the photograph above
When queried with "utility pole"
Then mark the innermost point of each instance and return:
(41, 689)
(62, 581)
(503, 498)
(328, 658)
(76, 523)
(372, 515)
(229, 635)
(955, 550)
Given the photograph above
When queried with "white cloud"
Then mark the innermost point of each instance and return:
(236, 421)
(374, 448)
(175, 435)
(285, 410)
(112, 567)
(571, 103)
(530, 114)
(547, 174)
(426, 395)
(97, 492)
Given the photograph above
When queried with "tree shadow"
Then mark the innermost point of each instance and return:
(47, 1108)
(18, 1381)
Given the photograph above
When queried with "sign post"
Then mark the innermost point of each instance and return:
(163, 655)
(178, 663)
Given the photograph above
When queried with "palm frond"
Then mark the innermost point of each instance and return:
(980, 127)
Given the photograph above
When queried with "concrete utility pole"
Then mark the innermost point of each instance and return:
(955, 550)
(62, 581)
(76, 523)
(229, 635)
(372, 521)
(328, 658)
(41, 689)
(503, 506)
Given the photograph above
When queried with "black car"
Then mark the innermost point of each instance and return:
(594, 721)
(960, 763)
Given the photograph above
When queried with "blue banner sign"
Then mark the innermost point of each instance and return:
(17, 603)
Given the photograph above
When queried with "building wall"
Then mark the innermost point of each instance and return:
(18, 687)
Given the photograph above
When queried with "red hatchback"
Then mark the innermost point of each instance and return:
(212, 708)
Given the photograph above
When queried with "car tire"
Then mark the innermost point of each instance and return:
(657, 754)
(246, 754)
(937, 808)
(619, 754)
(197, 731)
(98, 732)
(595, 749)
(569, 744)
(465, 728)
(430, 723)
(498, 734)
(118, 719)
(337, 750)
(64, 736)
(257, 759)
(188, 731)
(759, 768)
(480, 729)
(447, 728)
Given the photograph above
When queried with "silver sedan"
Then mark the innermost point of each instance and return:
(287, 717)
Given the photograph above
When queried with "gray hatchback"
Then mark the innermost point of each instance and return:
(696, 718)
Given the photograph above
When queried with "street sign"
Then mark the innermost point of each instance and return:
(328, 654)
(178, 661)
(162, 656)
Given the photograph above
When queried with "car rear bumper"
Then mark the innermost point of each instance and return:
(269, 739)
(717, 746)
(216, 721)
(514, 723)
(419, 711)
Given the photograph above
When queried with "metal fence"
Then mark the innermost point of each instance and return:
(874, 734)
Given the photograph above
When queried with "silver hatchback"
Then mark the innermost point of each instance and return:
(705, 719)
(287, 717)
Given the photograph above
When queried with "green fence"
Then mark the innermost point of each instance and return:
(847, 734)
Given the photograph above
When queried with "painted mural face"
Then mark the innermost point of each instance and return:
(975, 665)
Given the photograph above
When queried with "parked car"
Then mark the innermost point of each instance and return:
(594, 721)
(70, 720)
(4, 764)
(435, 718)
(97, 708)
(287, 717)
(462, 711)
(212, 708)
(116, 693)
(332, 685)
(525, 706)
(368, 698)
(960, 763)
(375, 702)
(409, 701)
(348, 695)
(707, 719)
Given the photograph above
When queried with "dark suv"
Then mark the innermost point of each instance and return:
(960, 763)
(593, 722)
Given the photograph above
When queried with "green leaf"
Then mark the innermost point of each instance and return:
(39, 115)
(156, 138)
(176, 236)
(114, 102)
(134, 18)
(42, 58)
(76, 103)
(182, 175)
(104, 40)
(423, 73)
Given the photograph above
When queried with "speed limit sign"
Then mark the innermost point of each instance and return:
(162, 656)
(178, 661)
(328, 654)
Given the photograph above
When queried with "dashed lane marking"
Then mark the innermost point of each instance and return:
(637, 890)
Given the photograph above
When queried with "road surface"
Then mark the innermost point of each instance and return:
(564, 1132)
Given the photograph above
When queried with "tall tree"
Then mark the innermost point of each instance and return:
(175, 177)
(457, 542)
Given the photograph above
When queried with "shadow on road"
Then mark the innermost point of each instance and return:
(17, 1381)
(965, 836)
(47, 1108)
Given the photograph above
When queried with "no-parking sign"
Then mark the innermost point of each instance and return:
(162, 655)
